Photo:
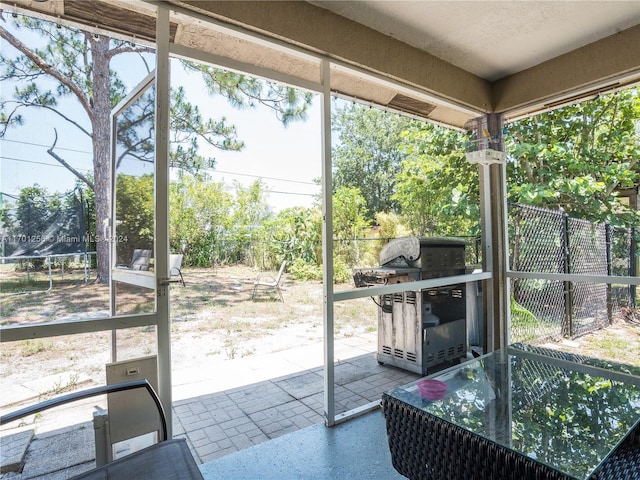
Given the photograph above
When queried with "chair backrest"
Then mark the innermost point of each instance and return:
(281, 271)
(141, 259)
(92, 392)
(175, 263)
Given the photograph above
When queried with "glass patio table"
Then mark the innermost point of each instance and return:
(521, 413)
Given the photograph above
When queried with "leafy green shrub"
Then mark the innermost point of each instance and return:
(302, 270)
(295, 234)
(341, 272)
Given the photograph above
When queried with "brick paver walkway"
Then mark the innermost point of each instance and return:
(232, 417)
(234, 405)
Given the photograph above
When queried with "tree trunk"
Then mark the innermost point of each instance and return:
(101, 151)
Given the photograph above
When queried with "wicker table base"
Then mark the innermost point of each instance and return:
(427, 448)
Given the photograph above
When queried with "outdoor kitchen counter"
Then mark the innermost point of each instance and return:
(518, 414)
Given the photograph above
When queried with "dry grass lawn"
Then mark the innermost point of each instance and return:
(214, 319)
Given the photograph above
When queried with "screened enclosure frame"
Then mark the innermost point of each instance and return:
(496, 271)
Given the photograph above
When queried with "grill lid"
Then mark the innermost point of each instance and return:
(426, 253)
(401, 252)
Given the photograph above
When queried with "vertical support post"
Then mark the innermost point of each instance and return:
(501, 309)
(162, 210)
(101, 437)
(327, 248)
(608, 246)
(493, 215)
(50, 272)
(107, 235)
(633, 265)
(114, 346)
(567, 327)
(85, 236)
(633, 257)
(487, 257)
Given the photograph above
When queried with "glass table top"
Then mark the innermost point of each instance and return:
(566, 411)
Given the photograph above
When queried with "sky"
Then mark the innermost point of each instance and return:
(287, 159)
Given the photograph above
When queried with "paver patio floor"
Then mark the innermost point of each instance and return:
(237, 404)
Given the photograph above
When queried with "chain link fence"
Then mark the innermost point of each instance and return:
(624, 262)
(545, 241)
(587, 303)
(537, 305)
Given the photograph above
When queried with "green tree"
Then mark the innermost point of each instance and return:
(31, 220)
(32, 210)
(199, 216)
(294, 235)
(243, 91)
(134, 214)
(391, 225)
(189, 128)
(406, 167)
(349, 225)
(79, 62)
(437, 188)
(248, 212)
(576, 157)
(369, 154)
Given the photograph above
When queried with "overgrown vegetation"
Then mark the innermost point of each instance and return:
(392, 175)
(58, 62)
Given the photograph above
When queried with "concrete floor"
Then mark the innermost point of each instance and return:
(239, 408)
(355, 450)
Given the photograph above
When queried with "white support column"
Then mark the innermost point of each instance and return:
(327, 249)
(162, 210)
(490, 156)
(499, 298)
(504, 227)
(487, 254)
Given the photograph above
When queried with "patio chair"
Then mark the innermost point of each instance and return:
(167, 459)
(140, 260)
(175, 264)
(265, 280)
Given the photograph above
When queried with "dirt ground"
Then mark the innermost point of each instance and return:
(214, 319)
(619, 342)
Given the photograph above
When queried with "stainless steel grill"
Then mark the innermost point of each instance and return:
(419, 329)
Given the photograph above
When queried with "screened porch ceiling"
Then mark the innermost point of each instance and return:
(440, 60)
